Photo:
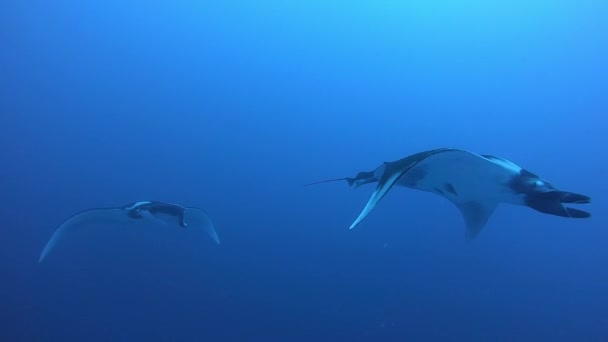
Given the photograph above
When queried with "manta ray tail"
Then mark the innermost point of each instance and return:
(350, 181)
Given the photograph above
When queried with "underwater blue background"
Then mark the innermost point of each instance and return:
(233, 105)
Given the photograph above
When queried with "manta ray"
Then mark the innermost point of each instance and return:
(150, 211)
(474, 183)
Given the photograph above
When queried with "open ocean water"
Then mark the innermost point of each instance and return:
(232, 106)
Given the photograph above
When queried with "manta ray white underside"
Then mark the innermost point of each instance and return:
(474, 183)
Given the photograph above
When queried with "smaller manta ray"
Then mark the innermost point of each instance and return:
(475, 183)
(151, 211)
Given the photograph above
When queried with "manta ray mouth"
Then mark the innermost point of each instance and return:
(552, 202)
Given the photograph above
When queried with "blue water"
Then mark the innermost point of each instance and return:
(233, 105)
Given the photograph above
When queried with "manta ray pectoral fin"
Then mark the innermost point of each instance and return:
(196, 218)
(388, 180)
(92, 216)
(476, 215)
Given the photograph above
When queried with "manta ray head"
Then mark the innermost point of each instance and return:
(134, 209)
(135, 213)
(531, 183)
(544, 197)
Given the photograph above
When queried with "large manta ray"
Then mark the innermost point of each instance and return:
(150, 211)
(475, 183)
